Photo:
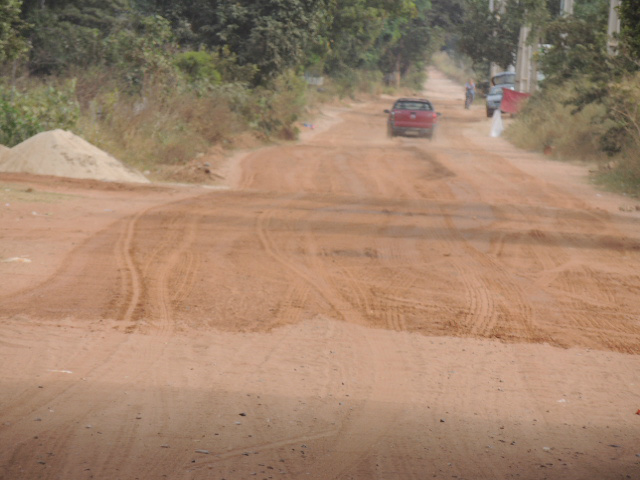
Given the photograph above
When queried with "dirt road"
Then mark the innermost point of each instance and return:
(349, 307)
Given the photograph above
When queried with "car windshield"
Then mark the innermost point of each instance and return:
(497, 89)
(505, 77)
(407, 105)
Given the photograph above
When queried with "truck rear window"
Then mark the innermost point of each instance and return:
(413, 106)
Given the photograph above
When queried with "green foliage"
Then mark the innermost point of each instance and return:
(141, 49)
(274, 35)
(274, 110)
(160, 80)
(349, 83)
(447, 14)
(215, 67)
(629, 11)
(492, 37)
(18, 123)
(577, 46)
(624, 101)
(192, 21)
(415, 76)
(408, 40)
(353, 33)
(458, 68)
(476, 31)
(551, 119)
(264, 37)
(376, 35)
(199, 66)
(622, 175)
(42, 108)
(12, 43)
(68, 33)
(588, 106)
(98, 14)
(158, 129)
(58, 44)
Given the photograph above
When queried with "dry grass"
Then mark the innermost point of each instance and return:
(459, 70)
(158, 129)
(551, 122)
(605, 132)
(170, 125)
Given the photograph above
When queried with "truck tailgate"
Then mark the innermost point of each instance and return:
(414, 118)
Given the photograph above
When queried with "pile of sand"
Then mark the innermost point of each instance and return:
(3, 152)
(64, 154)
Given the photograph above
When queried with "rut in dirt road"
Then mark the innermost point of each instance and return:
(301, 322)
(441, 238)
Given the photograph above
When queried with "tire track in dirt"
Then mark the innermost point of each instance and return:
(591, 306)
(160, 278)
(479, 316)
(360, 434)
(537, 247)
(587, 296)
(156, 271)
(497, 305)
(289, 426)
(365, 298)
(362, 425)
(480, 312)
(52, 404)
(130, 282)
(393, 287)
(173, 276)
(347, 299)
(291, 308)
(317, 282)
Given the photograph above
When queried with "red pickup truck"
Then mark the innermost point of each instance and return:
(412, 116)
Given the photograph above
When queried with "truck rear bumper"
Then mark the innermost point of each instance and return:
(411, 131)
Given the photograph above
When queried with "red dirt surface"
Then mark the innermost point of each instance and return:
(345, 307)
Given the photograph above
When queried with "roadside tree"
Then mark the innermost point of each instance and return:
(12, 42)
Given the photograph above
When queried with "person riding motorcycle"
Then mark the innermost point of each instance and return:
(470, 96)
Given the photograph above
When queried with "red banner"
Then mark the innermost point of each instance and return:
(512, 100)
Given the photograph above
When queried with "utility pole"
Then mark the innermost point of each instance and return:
(524, 61)
(566, 7)
(495, 5)
(526, 70)
(614, 27)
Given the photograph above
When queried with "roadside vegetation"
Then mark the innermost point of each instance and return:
(456, 67)
(158, 83)
(586, 108)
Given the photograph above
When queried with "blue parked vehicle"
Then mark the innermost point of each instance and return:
(494, 97)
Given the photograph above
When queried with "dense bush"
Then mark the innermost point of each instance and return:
(625, 106)
(583, 119)
(158, 82)
(36, 109)
(551, 119)
(587, 107)
(199, 66)
(458, 68)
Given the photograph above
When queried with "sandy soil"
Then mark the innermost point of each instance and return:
(61, 153)
(349, 307)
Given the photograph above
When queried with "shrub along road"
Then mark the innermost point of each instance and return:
(350, 307)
